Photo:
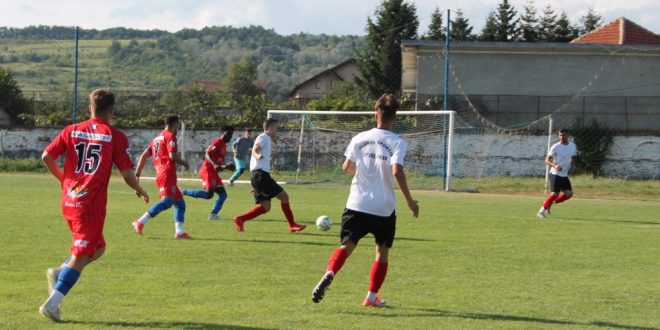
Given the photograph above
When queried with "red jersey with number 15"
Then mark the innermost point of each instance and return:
(90, 148)
(161, 146)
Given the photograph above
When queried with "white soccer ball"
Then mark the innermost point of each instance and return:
(323, 222)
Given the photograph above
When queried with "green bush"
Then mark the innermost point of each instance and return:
(593, 143)
(21, 165)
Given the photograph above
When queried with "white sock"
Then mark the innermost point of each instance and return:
(144, 218)
(55, 298)
(178, 227)
(372, 295)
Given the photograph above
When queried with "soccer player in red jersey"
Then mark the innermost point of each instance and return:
(165, 153)
(375, 159)
(214, 161)
(90, 148)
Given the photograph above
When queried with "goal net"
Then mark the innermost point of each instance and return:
(310, 145)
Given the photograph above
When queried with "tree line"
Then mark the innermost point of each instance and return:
(242, 57)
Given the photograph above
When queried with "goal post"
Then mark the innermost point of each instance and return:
(311, 144)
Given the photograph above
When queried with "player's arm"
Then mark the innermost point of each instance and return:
(55, 169)
(141, 161)
(176, 157)
(349, 167)
(400, 176)
(208, 157)
(549, 160)
(256, 151)
(131, 180)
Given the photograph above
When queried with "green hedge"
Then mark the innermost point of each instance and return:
(21, 165)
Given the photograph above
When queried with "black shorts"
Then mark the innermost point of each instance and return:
(265, 188)
(355, 225)
(559, 183)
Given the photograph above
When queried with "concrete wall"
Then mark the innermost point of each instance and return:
(474, 154)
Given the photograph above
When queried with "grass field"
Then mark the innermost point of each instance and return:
(471, 261)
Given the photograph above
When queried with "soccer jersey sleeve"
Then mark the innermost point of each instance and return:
(399, 152)
(58, 146)
(172, 145)
(350, 152)
(121, 152)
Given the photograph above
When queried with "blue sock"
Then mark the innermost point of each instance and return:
(179, 210)
(67, 279)
(217, 206)
(161, 206)
(197, 193)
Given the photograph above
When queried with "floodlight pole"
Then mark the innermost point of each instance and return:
(75, 79)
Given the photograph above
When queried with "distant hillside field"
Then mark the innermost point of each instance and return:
(41, 60)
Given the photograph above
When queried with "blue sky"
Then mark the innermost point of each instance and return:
(338, 17)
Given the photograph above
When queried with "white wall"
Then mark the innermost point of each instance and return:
(485, 155)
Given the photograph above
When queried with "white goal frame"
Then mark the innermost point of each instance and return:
(449, 148)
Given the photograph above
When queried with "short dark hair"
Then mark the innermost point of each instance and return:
(102, 99)
(269, 122)
(563, 130)
(227, 128)
(171, 120)
(387, 105)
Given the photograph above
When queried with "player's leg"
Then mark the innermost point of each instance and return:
(351, 231)
(179, 217)
(88, 245)
(240, 168)
(210, 180)
(162, 205)
(261, 198)
(286, 209)
(219, 201)
(567, 190)
(383, 230)
(554, 187)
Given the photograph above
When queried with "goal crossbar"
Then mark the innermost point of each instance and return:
(448, 148)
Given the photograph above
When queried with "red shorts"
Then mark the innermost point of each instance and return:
(87, 237)
(210, 178)
(167, 186)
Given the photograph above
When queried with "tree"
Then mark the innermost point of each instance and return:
(590, 21)
(380, 61)
(565, 31)
(11, 98)
(490, 28)
(461, 29)
(548, 25)
(529, 26)
(507, 23)
(243, 92)
(436, 31)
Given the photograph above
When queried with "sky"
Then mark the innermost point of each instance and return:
(336, 17)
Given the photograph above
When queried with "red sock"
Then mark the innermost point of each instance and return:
(549, 200)
(377, 276)
(562, 197)
(286, 208)
(337, 260)
(251, 214)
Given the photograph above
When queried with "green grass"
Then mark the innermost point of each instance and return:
(471, 261)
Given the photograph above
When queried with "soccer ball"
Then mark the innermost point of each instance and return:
(323, 222)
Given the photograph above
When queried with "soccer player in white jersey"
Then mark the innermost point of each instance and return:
(263, 185)
(375, 159)
(560, 160)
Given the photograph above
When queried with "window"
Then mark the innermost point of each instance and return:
(318, 84)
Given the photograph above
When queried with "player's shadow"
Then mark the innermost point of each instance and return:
(610, 221)
(429, 312)
(269, 241)
(164, 325)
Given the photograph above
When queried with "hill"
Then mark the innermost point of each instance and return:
(42, 58)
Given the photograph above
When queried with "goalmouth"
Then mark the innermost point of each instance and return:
(311, 144)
